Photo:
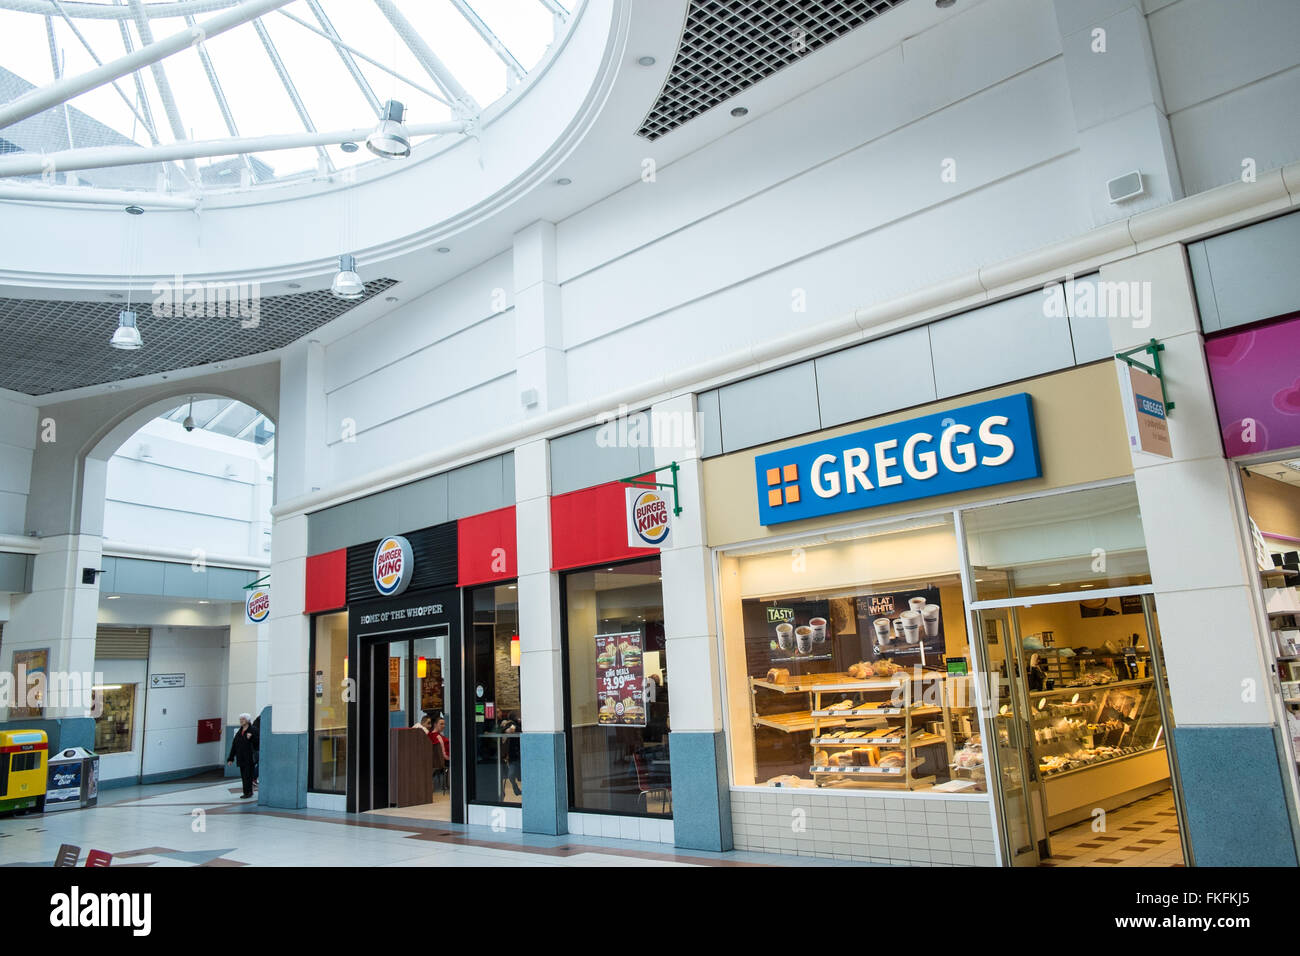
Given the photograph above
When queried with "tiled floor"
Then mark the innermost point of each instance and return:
(1144, 833)
(204, 823)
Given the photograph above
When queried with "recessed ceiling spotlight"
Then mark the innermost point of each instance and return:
(114, 597)
(390, 298)
(134, 210)
(646, 60)
(295, 285)
(564, 181)
(127, 335)
(390, 139)
(115, 388)
(347, 284)
(444, 249)
(740, 111)
(944, 4)
(349, 147)
(115, 295)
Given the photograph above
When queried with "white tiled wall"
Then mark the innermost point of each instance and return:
(913, 830)
(623, 828)
(512, 818)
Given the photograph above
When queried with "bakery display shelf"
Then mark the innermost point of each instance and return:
(864, 771)
(1104, 762)
(802, 659)
(820, 682)
(1059, 691)
(897, 740)
(791, 723)
(915, 711)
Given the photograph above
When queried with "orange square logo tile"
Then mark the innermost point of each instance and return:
(783, 485)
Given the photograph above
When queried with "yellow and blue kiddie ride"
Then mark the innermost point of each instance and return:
(23, 755)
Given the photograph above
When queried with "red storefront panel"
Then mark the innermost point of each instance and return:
(485, 547)
(588, 527)
(327, 576)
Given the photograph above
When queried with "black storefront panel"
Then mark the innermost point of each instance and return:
(433, 551)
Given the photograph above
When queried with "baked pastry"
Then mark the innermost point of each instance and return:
(822, 759)
(778, 675)
(862, 671)
(893, 759)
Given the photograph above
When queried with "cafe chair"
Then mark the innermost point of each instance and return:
(440, 771)
(68, 855)
(98, 858)
(649, 790)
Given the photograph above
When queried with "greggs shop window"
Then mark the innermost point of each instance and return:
(838, 652)
(617, 689)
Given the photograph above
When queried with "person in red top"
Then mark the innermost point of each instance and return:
(439, 738)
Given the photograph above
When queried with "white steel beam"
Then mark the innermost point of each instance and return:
(39, 100)
(30, 192)
(99, 157)
(427, 58)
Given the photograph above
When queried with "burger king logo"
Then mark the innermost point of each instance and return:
(393, 565)
(258, 605)
(649, 518)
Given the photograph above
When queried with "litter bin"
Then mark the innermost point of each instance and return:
(73, 780)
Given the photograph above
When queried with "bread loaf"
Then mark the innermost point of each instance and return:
(778, 675)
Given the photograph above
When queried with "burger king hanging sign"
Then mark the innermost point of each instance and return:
(257, 605)
(393, 566)
(647, 518)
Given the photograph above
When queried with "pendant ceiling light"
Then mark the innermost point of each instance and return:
(390, 139)
(188, 424)
(127, 335)
(347, 284)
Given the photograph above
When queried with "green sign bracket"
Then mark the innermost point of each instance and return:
(1152, 348)
(641, 481)
(258, 583)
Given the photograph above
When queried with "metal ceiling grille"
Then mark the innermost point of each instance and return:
(121, 643)
(50, 346)
(728, 46)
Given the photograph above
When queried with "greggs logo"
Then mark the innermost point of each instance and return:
(990, 443)
(393, 565)
(258, 605)
(650, 517)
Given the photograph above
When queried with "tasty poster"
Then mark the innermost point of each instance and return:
(902, 624)
(619, 679)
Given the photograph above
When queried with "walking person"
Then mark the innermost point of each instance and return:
(243, 751)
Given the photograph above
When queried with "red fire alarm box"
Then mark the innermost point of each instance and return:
(209, 730)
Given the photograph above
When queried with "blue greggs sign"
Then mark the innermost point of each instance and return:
(990, 443)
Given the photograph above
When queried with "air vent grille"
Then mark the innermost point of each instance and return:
(727, 47)
(121, 643)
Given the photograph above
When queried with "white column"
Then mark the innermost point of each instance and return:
(301, 453)
(1194, 531)
(541, 662)
(246, 684)
(59, 614)
(695, 701)
(539, 345)
(290, 628)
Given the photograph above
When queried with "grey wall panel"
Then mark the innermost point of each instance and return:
(140, 577)
(1091, 338)
(874, 378)
(13, 572)
(421, 504)
(1203, 282)
(181, 580)
(227, 584)
(107, 580)
(508, 479)
(1254, 271)
(709, 423)
(1003, 342)
(327, 530)
(577, 461)
(770, 406)
(475, 488)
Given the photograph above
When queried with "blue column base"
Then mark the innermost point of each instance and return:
(701, 795)
(1237, 813)
(545, 778)
(283, 773)
(60, 732)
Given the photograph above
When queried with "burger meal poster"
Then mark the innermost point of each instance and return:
(620, 680)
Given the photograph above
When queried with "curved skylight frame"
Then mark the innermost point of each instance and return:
(317, 70)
